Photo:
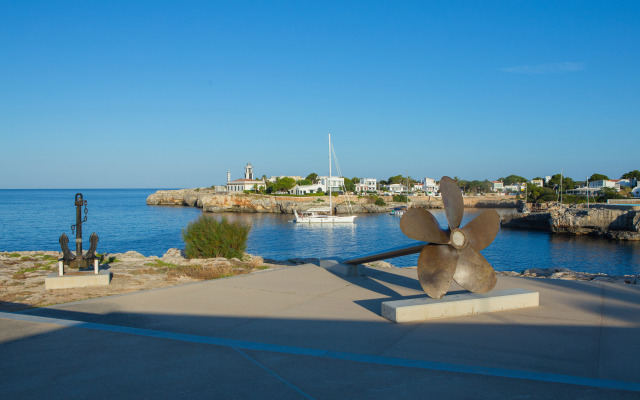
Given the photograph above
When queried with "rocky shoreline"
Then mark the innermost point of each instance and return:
(618, 223)
(22, 274)
(210, 201)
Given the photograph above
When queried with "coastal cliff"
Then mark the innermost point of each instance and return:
(609, 222)
(210, 201)
(255, 203)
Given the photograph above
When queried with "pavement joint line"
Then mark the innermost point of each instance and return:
(286, 382)
(364, 358)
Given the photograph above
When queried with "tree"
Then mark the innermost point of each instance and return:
(284, 184)
(513, 179)
(537, 194)
(305, 182)
(478, 186)
(625, 191)
(635, 174)
(598, 177)
(397, 179)
(567, 183)
(355, 180)
(313, 177)
(349, 186)
(608, 193)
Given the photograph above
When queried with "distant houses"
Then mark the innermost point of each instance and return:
(426, 185)
(497, 186)
(367, 185)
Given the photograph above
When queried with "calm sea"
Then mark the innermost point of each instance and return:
(34, 220)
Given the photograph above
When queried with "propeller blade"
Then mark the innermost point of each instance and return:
(474, 272)
(482, 230)
(452, 199)
(420, 224)
(436, 265)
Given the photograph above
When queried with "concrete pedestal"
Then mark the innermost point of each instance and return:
(457, 305)
(342, 269)
(77, 279)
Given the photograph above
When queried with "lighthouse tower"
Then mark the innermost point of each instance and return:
(248, 171)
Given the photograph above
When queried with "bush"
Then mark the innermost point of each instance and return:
(207, 237)
(399, 198)
(380, 202)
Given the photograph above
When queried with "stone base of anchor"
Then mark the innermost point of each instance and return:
(77, 280)
(85, 263)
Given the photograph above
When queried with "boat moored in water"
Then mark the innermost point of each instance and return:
(324, 215)
(321, 216)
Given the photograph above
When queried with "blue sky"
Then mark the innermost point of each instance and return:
(172, 94)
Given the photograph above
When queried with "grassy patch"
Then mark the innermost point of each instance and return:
(14, 255)
(201, 273)
(48, 257)
(160, 263)
(263, 267)
(27, 258)
(36, 267)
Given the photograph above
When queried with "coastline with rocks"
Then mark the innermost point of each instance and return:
(601, 220)
(22, 274)
(210, 201)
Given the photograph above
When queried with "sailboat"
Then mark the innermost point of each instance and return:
(324, 215)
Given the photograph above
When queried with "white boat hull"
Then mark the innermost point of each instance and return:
(322, 219)
(325, 219)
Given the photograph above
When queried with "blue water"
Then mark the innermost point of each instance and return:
(34, 220)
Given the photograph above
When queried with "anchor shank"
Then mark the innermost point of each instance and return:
(79, 227)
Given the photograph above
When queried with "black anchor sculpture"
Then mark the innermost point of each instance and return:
(79, 260)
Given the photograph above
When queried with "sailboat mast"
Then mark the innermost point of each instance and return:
(329, 181)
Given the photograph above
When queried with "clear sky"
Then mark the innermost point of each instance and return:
(163, 94)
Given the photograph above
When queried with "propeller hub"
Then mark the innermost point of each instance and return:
(458, 239)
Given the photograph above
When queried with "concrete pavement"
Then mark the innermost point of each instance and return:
(303, 332)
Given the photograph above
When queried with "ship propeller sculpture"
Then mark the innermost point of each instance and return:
(452, 254)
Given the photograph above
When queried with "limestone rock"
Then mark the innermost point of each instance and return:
(380, 264)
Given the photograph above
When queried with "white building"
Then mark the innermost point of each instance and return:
(537, 182)
(584, 191)
(396, 188)
(367, 185)
(337, 184)
(247, 183)
(516, 187)
(603, 184)
(306, 189)
(624, 182)
(430, 186)
(497, 186)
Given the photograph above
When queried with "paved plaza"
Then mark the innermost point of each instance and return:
(304, 332)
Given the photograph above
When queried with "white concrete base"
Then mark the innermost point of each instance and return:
(77, 279)
(457, 305)
(342, 269)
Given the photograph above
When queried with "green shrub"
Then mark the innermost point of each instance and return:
(207, 237)
(399, 198)
(380, 202)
